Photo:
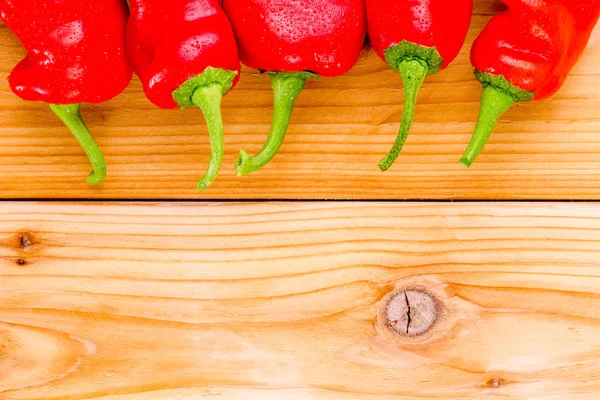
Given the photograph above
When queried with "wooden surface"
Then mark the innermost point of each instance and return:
(288, 301)
(340, 129)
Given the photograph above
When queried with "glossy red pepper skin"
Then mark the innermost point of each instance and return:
(416, 38)
(430, 23)
(185, 55)
(294, 40)
(526, 53)
(76, 53)
(172, 41)
(324, 37)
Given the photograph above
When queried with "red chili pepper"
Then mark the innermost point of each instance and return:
(526, 53)
(416, 38)
(294, 40)
(76, 53)
(185, 54)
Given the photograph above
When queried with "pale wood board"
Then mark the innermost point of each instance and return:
(340, 129)
(283, 301)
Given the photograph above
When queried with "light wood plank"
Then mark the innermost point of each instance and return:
(340, 129)
(290, 394)
(288, 300)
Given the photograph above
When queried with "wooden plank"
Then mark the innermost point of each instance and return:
(290, 300)
(340, 130)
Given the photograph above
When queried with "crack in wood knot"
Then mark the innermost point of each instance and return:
(411, 312)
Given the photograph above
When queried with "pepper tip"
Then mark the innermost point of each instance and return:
(384, 165)
(466, 162)
(203, 185)
(96, 177)
(241, 163)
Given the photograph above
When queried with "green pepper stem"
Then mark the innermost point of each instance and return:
(70, 116)
(286, 89)
(413, 72)
(208, 99)
(494, 103)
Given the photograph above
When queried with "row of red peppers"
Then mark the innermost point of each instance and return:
(186, 54)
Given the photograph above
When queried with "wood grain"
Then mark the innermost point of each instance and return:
(287, 301)
(340, 130)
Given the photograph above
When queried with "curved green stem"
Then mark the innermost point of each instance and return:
(205, 91)
(494, 103)
(70, 116)
(286, 89)
(413, 72)
(208, 99)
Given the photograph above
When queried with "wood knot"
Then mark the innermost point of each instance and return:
(495, 383)
(23, 244)
(26, 241)
(411, 312)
